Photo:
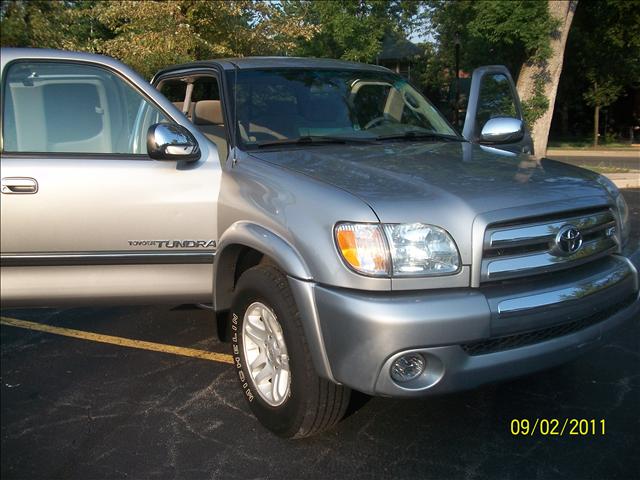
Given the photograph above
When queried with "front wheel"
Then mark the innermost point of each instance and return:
(273, 362)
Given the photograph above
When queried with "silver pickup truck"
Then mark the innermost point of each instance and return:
(346, 235)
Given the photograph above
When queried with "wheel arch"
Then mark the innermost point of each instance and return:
(244, 238)
(244, 245)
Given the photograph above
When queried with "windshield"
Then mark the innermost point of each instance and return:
(277, 105)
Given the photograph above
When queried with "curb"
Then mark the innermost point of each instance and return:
(624, 180)
(631, 152)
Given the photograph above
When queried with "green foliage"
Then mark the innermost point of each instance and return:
(152, 34)
(602, 94)
(601, 59)
(146, 35)
(536, 105)
(601, 63)
(351, 29)
(604, 49)
(432, 70)
(525, 25)
(506, 32)
(42, 24)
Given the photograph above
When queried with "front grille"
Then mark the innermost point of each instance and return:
(508, 342)
(522, 249)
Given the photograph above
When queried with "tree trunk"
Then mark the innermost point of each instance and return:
(596, 125)
(549, 71)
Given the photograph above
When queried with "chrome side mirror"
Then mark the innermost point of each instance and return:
(170, 141)
(502, 130)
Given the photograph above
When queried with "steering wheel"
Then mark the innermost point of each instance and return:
(374, 122)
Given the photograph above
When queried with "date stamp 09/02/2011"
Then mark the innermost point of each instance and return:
(558, 427)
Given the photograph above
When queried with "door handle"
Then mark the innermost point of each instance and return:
(19, 185)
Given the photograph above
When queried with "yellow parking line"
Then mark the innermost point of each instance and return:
(120, 341)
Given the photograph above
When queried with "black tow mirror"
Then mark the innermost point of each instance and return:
(170, 141)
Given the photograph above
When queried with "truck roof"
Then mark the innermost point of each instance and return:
(10, 54)
(248, 63)
(284, 62)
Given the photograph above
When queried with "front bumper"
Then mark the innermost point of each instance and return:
(473, 336)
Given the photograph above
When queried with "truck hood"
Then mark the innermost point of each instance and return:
(445, 184)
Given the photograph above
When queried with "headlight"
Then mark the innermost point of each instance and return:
(413, 249)
(419, 249)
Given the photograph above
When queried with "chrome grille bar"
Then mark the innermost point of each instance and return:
(545, 231)
(513, 251)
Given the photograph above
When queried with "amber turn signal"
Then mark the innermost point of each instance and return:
(363, 248)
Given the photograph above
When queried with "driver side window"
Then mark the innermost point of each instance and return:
(58, 107)
(495, 99)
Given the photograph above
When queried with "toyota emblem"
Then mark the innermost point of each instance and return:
(568, 240)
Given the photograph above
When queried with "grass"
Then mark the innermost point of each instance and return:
(585, 143)
(606, 169)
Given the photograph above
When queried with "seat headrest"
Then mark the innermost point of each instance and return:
(180, 106)
(208, 112)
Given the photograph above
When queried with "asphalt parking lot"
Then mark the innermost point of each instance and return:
(78, 408)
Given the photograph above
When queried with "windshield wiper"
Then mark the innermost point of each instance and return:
(314, 139)
(418, 135)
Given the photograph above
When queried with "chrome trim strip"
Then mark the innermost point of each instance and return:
(633, 268)
(500, 268)
(529, 304)
(545, 231)
(105, 258)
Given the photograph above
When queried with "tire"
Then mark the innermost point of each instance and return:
(310, 404)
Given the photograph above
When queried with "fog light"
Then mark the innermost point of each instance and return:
(407, 367)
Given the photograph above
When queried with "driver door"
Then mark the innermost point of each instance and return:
(87, 216)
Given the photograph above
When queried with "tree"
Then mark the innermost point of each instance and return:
(518, 34)
(39, 24)
(602, 59)
(598, 96)
(540, 75)
(152, 34)
(496, 31)
(351, 29)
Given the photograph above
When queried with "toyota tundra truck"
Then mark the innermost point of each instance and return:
(345, 234)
